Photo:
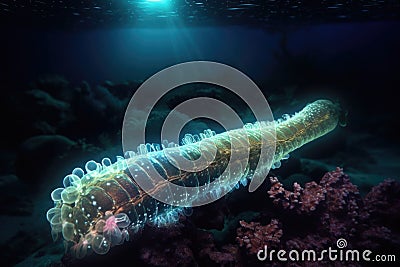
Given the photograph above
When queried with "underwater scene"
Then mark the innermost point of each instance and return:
(199, 133)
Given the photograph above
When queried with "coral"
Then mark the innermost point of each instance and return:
(341, 193)
(332, 209)
(301, 200)
(375, 236)
(166, 246)
(209, 254)
(383, 201)
(339, 212)
(337, 199)
(335, 191)
(253, 236)
(311, 241)
(182, 245)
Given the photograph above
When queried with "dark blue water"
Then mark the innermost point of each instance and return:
(67, 74)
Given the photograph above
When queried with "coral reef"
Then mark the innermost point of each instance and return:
(333, 209)
(298, 220)
(254, 236)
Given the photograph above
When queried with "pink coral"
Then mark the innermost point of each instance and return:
(341, 193)
(334, 190)
(301, 200)
(384, 200)
(254, 236)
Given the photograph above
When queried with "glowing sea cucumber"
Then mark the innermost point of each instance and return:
(104, 206)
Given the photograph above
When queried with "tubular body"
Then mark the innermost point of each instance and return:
(103, 206)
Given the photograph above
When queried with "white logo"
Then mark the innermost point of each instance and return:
(341, 243)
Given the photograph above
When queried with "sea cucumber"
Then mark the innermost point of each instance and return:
(104, 206)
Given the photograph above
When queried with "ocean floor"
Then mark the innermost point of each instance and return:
(64, 135)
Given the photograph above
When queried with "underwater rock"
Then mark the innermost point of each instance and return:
(98, 108)
(21, 245)
(53, 106)
(21, 205)
(48, 113)
(210, 218)
(184, 245)
(55, 85)
(45, 100)
(313, 168)
(166, 246)
(36, 151)
(123, 90)
(7, 180)
(209, 254)
(292, 166)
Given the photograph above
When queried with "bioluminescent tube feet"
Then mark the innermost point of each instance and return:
(103, 206)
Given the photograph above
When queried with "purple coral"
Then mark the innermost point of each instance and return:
(334, 189)
(330, 209)
(383, 201)
(302, 200)
(254, 236)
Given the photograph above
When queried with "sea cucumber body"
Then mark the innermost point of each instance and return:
(106, 189)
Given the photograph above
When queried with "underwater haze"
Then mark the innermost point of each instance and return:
(327, 69)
